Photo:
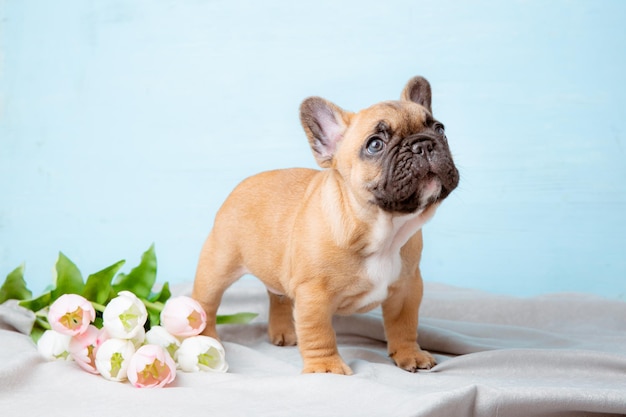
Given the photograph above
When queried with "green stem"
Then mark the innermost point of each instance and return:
(97, 307)
(157, 305)
(42, 314)
(43, 323)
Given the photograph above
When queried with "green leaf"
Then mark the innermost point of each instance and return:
(154, 312)
(98, 287)
(38, 303)
(141, 279)
(14, 286)
(39, 327)
(239, 318)
(154, 304)
(161, 296)
(68, 280)
(154, 318)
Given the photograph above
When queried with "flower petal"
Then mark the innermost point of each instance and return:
(157, 335)
(83, 348)
(151, 366)
(113, 357)
(53, 345)
(71, 314)
(202, 353)
(124, 316)
(183, 316)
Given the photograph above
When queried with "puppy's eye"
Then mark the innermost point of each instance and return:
(439, 129)
(375, 145)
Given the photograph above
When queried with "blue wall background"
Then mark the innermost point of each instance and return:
(124, 123)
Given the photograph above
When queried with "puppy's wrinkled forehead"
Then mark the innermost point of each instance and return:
(401, 118)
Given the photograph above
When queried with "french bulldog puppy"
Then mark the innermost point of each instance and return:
(342, 240)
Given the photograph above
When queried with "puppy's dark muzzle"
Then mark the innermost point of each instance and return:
(435, 160)
(414, 162)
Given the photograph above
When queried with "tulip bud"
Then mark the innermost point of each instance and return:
(112, 358)
(53, 345)
(124, 316)
(183, 316)
(151, 366)
(70, 314)
(201, 353)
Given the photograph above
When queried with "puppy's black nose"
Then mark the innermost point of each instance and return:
(423, 147)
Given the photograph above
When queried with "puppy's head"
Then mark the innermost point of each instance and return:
(393, 154)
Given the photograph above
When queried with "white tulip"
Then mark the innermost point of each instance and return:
(113, 357)
(53, 345)
(201, 353)
(124, 316)
(157, 335)
(139, 338)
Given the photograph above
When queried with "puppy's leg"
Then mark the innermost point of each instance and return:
(316, 337)
(400, 315)
(217, 269)
(281, 329)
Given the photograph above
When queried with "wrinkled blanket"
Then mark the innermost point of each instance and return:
(553, 355)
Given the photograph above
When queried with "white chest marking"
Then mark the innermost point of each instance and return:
(382, 270)
(384, 264)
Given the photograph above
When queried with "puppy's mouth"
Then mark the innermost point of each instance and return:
(411, 198)
(416, 173)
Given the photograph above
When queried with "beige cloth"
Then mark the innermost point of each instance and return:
(555, 355)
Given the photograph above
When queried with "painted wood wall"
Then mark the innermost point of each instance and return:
(124, 123)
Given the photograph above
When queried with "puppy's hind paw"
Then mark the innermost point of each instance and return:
(283, 339)
(282, 333)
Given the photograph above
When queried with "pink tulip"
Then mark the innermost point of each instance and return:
(183, 316)
(83, 348)
(151, 367)
(71, 314)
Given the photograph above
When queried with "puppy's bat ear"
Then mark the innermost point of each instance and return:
(324, 124)
(418, 91)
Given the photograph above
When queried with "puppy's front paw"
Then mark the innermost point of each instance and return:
(332, 364)
(413, 360)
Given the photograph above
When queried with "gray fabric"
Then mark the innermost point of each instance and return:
(14, 317)
(556, 355)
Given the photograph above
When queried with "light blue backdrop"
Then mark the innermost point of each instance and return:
(124, 123)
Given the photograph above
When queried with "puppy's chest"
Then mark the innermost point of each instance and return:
(382, 266)
(372, 287)
(381, 270)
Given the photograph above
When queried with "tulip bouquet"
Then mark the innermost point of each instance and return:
(118, 327)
